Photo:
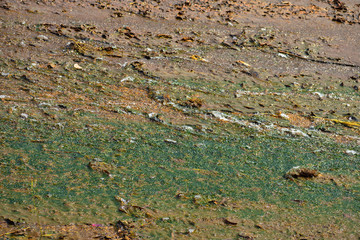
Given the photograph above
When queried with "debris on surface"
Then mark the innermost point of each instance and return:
(294, 132)
(198, 58)
(351, 152)
(127, 79)
(302, 173)
(245, 236)
(77, 66)
(180, 196)
(283, 55)
(282, 115)
(230, 222)
(193, 102)
(170, 141)
(42, 37)
(148, 100)
(155, 117)
(24, 115)
(352, 124)
(319, 95)
(124, 230)
(100, 166)
(243, 63)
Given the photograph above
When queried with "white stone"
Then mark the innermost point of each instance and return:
(282, 55)
(77, 66)
(24, 115)
(42, 37)
(127, 79)
(351, 152)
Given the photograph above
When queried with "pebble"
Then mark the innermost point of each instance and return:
(42, 37)
(221, 116)
(5, 74)
(22, 44)
(128, 78)
(282, 55)
(170, 141)
(77, 66)
(154, 117)
(283, 115)
(187, 128)
(24, 115)
(44, 104)
(197, 196)
(351, 152)
(320, 95)
(123, 201)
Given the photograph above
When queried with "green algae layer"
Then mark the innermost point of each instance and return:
(165, 180)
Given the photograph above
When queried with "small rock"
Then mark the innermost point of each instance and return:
(305, 173)
(42, 37)
(155, 117)
(320, 95)
(187, 128)
(123, 209)
(283, 115)
(100, 167)
(77, 66)
(355, 77)
(220, 115)
(180, 195)
(283, 55)
(51, 65)
(5, 74)
(229, 222)
(193, 102)
(245, 236)
(170, 141)
(197, 196)
(351, 152)
(97, 160)
(121, 200)
(127, 79)
(24, 115)
(44, 104)
(352, 118)
(22, 44)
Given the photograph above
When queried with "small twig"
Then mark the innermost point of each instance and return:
(14, 231)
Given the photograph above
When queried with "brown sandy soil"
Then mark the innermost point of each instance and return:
(296, 62)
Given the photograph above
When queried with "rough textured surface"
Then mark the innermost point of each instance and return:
(179, 119)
